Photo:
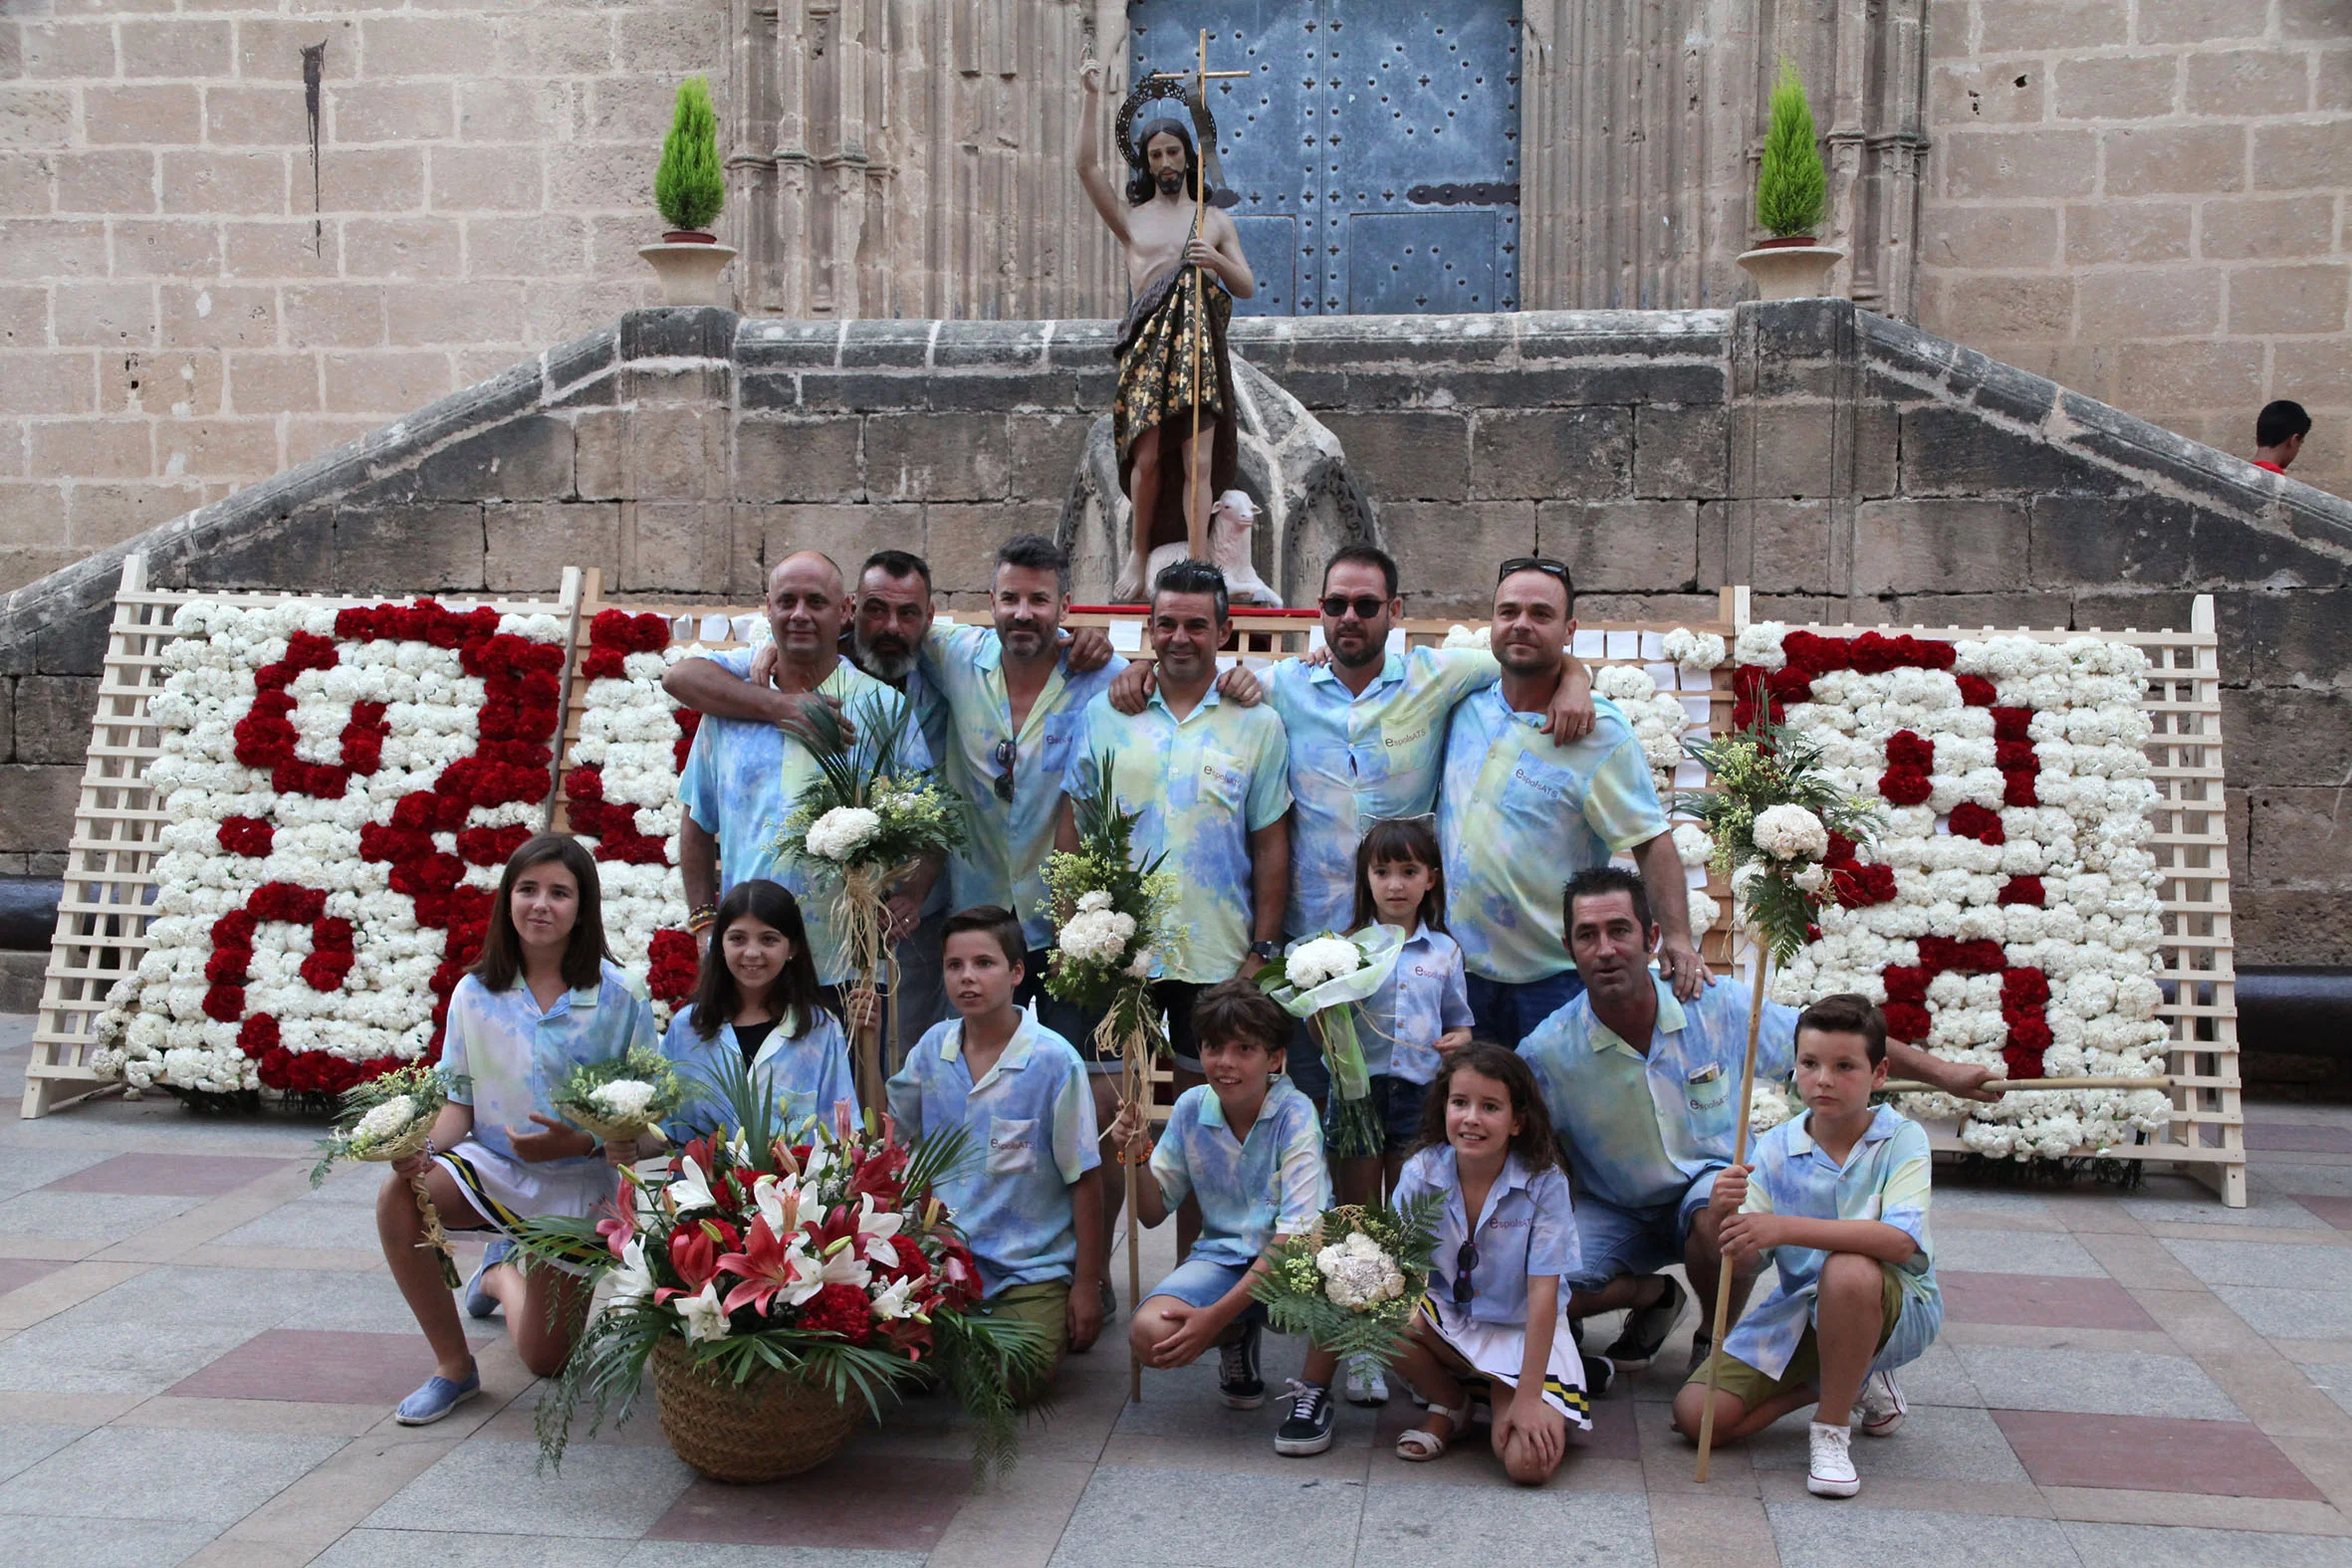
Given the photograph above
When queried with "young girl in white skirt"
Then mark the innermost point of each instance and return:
(759, 1003)
(543, 998)
(1506, 1237)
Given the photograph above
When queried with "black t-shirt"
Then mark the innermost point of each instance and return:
(750, 1036)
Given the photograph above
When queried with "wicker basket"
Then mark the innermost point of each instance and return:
(771, 1427)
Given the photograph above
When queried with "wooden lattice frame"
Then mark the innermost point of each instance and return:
(102, 921)
(2190, 844)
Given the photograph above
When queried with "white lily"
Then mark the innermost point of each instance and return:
(703, 1317)
(690, 1187)
(780, 1202)
(632, 1282)
(875, 1228)
(892, 1303)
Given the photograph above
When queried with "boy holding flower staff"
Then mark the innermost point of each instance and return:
(1029, 1203)
(1838, 1197)
(1249, 1148)
(1494, 1310)
(543, 998)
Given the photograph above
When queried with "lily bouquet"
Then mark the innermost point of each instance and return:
(391, 1118)
(868, 821)
(829, 1262)
(1107, 910)
(621, 1098)
(1322, 980)
(1354, 1282)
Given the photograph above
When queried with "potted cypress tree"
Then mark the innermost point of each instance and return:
(1792, 198)
(689, 189)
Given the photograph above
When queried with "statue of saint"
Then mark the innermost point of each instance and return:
(1166, 229)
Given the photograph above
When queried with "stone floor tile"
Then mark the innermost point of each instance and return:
(104, 1217)
(131, 1473)
(2096, 1382)
(315, 1366)
(2337, 1212)
(373, 1548)
(24, 1444)
(2015, 1253)
(2152, 1546)
(1504, 1527)
(2323, 1313)
(170, 1175)
(1016, 1522)
(2150, 1454)
(495, 1486)
(904, 1506)
(349, 1226)
(17, 1273)
(2266, 1134)
(2039, 1300)
(1817, 1532)
(2025, 1208)
(106, 1543)
(2264, 1210)
(1940, 1377)
(1935, 1442)
(1698, 1530)
(664, 1554)
(2302, 1179)
(22, 1170)
(1140, 1518)
(2333, 1380)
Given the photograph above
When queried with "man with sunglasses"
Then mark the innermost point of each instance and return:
(1519, 815)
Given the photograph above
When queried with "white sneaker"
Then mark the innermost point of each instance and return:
(1832, 1473)
(1366, 1384)
(1883, 1405)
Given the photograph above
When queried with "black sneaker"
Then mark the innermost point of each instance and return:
(1308, 1426)
(1238, 1382)
(1598, 1375)
(1646, 1328)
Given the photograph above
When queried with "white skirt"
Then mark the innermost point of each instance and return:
(506, 1191)
(1498, 1350)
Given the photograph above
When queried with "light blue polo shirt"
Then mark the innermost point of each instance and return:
(1031, 1119)
(1426, 997)
(1356, 757)
(743, 780)
(1528, 1230)
(1003, 862)
(1640, 1129)
(1203, 785)
(805, 1077)
(1885, 1178)
(1518, 816)
(1250, 1189)
(504, 1057)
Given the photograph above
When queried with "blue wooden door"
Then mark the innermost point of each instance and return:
(1374, 146)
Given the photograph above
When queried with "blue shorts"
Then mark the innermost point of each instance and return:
(1613, 1240)
(1201, 1282)
(1397, 1102)
(1507, 1013)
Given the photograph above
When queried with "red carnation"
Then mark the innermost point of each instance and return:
(235, 929)
(1910, 751)
(673, 966)
(1906, 1020)
(2018, 788)
(325, 971)
(1970, 820)
(1815, 654)
(258, 1036)
(245, 835)
(228, 966)
(2021, 890)
(1789, 685)
(584, 784)
(2013, 724)
(1906, 982)
(1975, 690)
(225, 1003)
(839, 1309)
(1858, 886)
(1905, 787)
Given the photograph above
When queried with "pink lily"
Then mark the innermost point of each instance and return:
(770, 1266)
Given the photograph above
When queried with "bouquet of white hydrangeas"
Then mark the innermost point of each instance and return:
(621, 1098)
(387, 1118)
(1355, 1296)
(1322, 980)
(1108, 908)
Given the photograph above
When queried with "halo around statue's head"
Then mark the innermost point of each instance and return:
(1199, 139)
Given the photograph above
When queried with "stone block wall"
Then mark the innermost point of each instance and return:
(1847, 467)
(187, 307)
(2146, 200)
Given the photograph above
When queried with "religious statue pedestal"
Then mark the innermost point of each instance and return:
(1790, 272)
(690, 273)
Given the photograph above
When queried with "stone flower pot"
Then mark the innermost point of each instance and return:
(689, 263)
(1791, 269)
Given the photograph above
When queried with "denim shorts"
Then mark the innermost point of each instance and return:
(1507, 1013)
(1397, 1102)
(1615, 1241)
(1201, 1282)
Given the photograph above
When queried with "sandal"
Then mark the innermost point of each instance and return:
(1419, 1445)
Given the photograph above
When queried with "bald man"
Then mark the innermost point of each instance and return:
(743, 777)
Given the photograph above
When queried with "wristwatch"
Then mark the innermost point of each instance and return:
(1265, 952)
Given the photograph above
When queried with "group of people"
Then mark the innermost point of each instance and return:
(1569, 1103)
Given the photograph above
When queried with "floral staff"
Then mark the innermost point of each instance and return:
(1770, 813)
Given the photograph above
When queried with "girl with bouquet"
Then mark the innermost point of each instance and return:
(543, 998)
(760, 1003)
(1506, 1237)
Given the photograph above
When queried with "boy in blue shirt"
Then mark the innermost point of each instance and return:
(1028, 1197)
(1839, 1197)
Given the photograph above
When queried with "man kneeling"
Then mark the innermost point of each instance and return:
(1839, 1197)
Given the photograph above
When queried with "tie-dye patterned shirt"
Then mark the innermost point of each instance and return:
(506, 1058)
(1254, 1189)
(1886, 1178)
(805, 1077)
(1203, 785)
(1638, 1127)
(1518, 816)
(1356, 757)
(743, 778)
(1424, 998)
(1527, 1230)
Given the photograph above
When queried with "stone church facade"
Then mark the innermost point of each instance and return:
(210, 272)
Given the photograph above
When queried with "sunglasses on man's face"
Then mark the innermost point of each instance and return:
(1365, 605)
(1465, 1264)
(1007, 754)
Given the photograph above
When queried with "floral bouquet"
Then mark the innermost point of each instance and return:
(387, 1118)
(1322, 980)
(828, 1265)
(1355, 1296)
(1109, 911)
(866, 822)
(622, 1098)
(1770, 816)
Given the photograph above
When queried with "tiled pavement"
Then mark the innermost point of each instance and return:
(198, 1354)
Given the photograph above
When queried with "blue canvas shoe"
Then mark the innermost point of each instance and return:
(436, 1399)
(480, 1302)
